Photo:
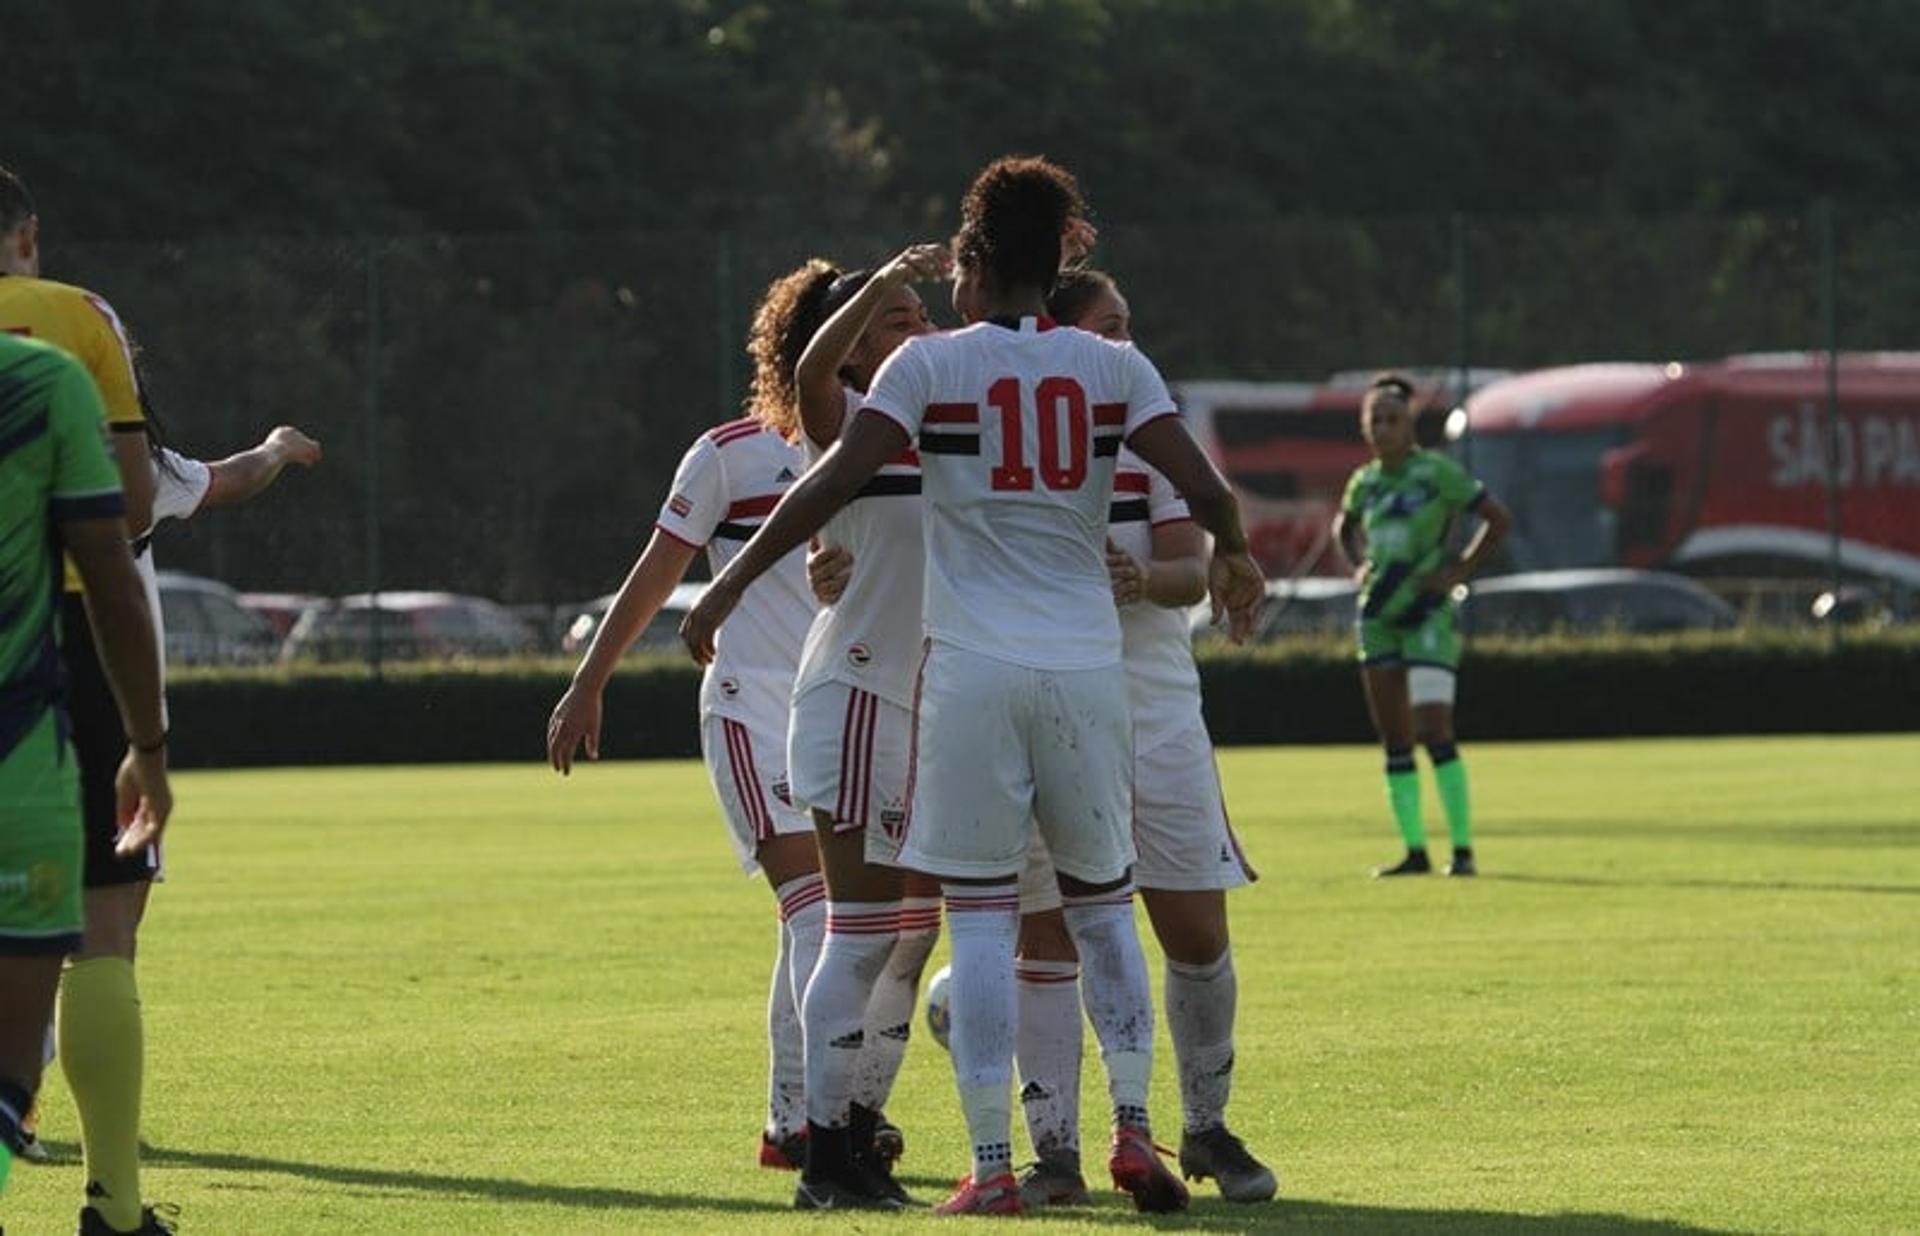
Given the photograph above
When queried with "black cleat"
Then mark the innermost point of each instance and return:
(1221, 1155)
(888, 1141)
(1415, 863)
(828, 1193)
(152, 1223)
(1462, 864)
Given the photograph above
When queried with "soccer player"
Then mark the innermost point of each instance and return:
(1189, 856)
(847, 748)
(58, 487)
(1021, 706)
(1395, 522)
(102, 1048)
(728, 481)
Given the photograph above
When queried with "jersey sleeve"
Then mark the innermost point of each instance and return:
(1457, 487)
(86, 483)
(903, 388)
(180, 485)
(1164, 503)
(108, 355)
(1147, 396)
(698, 501)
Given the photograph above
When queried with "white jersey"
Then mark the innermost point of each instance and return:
(729, 482)
(180, 485)
(1163, 684)
(870, 638)
(1018, 429)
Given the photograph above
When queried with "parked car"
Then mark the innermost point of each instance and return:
(280, 609)
(1535, 602)
(206, 624)
(1312, 605)
(662, 632)
(410, 626)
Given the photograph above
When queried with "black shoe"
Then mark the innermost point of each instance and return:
(152, 1223)
(829, 1193)
(888, 1141)
(1462, 864)
(1221, 1155)
(1415, 863)
(875, 1175)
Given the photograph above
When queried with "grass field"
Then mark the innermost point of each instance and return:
(1683, 998)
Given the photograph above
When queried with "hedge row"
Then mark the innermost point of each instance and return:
(1555, 688)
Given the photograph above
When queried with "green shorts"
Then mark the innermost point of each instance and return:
(41, 850)
(1431, 640)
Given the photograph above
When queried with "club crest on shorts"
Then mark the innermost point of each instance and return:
(860, 655)
(782, 790)
(893, 822)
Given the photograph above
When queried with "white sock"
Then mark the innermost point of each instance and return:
(1119, 996)
(786, 1056)
(895, 1000)
(803, 923)
(860, 935)
(1048, 1049)
(982, 924)
(1200, 1006)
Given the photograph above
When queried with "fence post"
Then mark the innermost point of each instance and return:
(1463, 328)
(723, 320)
(370, 404)
(1830, 330)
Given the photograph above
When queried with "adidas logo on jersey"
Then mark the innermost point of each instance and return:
(786, 474)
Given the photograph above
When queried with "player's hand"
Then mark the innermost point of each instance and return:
(294, 446)
(922, 263)
(1076, 243)
(701, 627)
(575, 724)
(1129, 578)
(1237, 588)
(829, 570)
(143, 801)
(1443, 581)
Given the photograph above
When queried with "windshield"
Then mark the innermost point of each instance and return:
(1551, 483)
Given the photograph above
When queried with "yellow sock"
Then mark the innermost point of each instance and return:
(101, 1052)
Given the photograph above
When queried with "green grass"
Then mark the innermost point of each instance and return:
(1683, 998)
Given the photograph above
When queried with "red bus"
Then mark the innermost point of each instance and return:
(1718, 468)
(1288, 448)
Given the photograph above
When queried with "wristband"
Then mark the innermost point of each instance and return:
(149, 748)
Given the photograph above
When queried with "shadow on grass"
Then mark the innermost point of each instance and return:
(1738, 886)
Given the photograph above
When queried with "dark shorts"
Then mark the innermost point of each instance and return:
(100, 742)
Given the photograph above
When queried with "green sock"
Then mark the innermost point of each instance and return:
(1403, 791)
(6, 1165)
(1450, 774)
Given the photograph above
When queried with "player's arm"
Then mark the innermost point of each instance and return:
(134, 459)
(817, 377)
(129, 655)
(1352, 539)
(1496, 521)
(1234, 581)
(868, 443)
(575, 722)
(246, 475)
(1176, 574)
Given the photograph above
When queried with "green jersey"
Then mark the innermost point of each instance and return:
(54, 467)
(1406, 515)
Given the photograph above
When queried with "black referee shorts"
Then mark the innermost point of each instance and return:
(100, 742)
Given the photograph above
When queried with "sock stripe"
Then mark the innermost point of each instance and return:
(810, 890)
(1041, 978)
(873, 923)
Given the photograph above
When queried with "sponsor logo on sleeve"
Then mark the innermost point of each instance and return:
(679, 505)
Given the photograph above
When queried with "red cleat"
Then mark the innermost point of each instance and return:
(789, 1154)
(1137, 1169)
(998, 1196)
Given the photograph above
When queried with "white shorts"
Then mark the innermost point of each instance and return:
(1430, 684)
(847, 753)
(748, 768)
(998, 747)
(1180, 828)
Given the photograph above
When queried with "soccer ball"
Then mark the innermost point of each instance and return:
(939, 1012)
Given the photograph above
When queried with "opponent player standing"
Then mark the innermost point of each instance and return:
(847, 747)
(1394, 523)
(57, 487)
(1021, 712)
(1188, 855)
(728, 481)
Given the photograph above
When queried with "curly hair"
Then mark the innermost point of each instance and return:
(792, 309)
(1076, 290)
(1012, 218)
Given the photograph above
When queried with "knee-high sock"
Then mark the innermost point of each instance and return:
(102, 1052)
(1119, 996)
(786, 1084)
(860, 936)
(982, 924)
(895, 999)
(1450, 774)
(1200, 1008)
(1048, 1050)
(1403, 792)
